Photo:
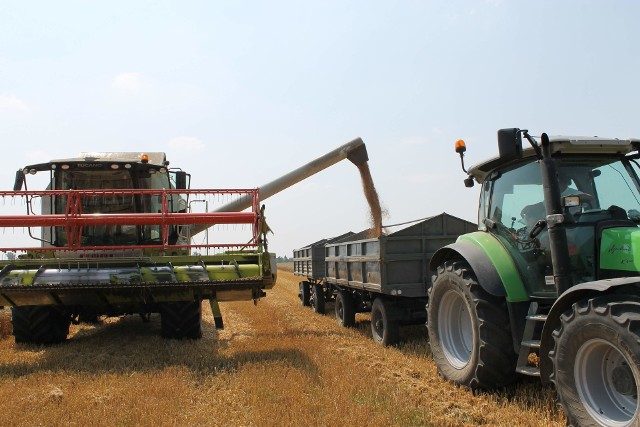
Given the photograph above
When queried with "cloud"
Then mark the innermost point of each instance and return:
(186, 143)
(130, 82)
(12, 103)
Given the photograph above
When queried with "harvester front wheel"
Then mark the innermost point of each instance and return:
(469, 332)
(305, 293)
(181, 319)
(385, 328)
(596, 362)
(317, 299)
(40, 324)
(345, 309)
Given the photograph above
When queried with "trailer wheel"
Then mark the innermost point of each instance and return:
(469, 332)
(40, 324)
(345, 309)
(385, 328)
(181, 319)
(305, 293)
(596, 362)
(317, 299)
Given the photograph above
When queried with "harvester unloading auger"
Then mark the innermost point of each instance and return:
(115, 238)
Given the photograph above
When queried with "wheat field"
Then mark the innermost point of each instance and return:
(274, 364)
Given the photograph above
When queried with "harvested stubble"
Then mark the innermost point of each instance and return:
(276, 363)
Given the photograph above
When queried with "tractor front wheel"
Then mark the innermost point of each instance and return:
(596, 362)
(469, 332)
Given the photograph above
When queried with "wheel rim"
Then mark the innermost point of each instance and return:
(606, 383)
(340, 309)
(378, 324)
(455, 329)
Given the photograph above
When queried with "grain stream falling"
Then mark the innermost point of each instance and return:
(375, 210)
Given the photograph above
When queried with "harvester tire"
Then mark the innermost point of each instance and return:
(181, 319)
(385, 328)
(40, 324)
(317, 299)
(469, 330)
(305, 293)
(596, 361)
(345, 309)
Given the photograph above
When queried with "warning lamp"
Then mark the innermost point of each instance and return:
(460, 146)
(144, 158)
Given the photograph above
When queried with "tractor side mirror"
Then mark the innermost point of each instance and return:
(510, 143)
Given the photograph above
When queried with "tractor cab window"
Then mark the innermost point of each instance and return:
(515, 204)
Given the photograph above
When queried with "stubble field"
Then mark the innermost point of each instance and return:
(276, 363)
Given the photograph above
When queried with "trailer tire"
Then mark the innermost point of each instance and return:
(469, 330)
(40, 324)
(305, 293)
(345, 309)
(317, 300)
(385, 328)
(596, 361)
(181, 319)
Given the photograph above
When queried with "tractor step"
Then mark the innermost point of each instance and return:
(531, 344)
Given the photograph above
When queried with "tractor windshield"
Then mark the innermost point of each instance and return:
(599, 188)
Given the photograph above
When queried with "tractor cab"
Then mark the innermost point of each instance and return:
(597, 181)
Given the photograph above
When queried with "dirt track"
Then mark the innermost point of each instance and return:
(276, 363)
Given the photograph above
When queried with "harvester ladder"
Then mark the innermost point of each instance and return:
(531, 339)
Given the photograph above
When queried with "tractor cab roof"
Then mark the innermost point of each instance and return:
(562, 145)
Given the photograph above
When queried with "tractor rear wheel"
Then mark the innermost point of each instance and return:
(596, 362)
(345, 309)
(317, 299)
(469, 332)
(40, 324)
(385, 328)
(181, 319)
(305, 293)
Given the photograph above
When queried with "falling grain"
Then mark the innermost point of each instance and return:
(370, 192)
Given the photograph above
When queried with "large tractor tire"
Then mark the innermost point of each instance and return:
(345, 309)
(40, 324)
(317, 299)
(469, 332)
(181, 319)
(305, 293)
(596, 362)
(385, 328)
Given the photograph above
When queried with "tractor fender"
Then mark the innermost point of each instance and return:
(480, 263)
(576, 293)
(490, 261)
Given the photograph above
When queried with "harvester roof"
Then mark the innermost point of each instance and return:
(87, 158)
(563, 145)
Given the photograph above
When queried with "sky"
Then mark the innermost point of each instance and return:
(239, 93)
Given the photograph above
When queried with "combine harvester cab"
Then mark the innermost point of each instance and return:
(115, 237)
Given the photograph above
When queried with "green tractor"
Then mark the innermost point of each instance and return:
(549, 285)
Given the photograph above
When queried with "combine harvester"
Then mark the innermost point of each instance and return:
(114, 233)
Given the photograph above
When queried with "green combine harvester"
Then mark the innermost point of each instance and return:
(549, 285)
(115, 237)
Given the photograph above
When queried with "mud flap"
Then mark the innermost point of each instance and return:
(217, 315)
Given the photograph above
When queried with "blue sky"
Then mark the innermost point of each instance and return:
(240, 92)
